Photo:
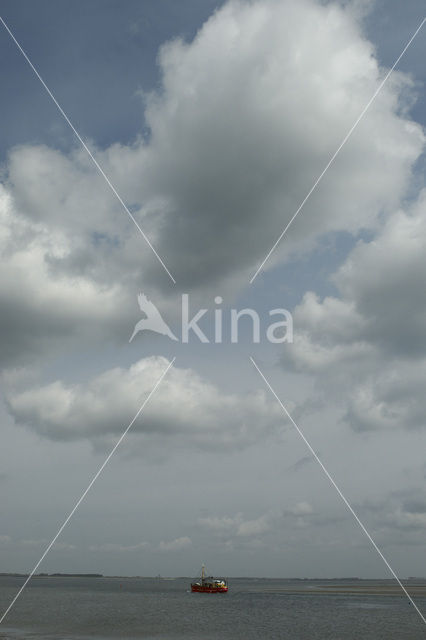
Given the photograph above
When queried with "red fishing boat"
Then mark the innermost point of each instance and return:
(208, 584)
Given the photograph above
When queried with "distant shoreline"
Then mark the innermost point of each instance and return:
(54, 575)
(254, 578)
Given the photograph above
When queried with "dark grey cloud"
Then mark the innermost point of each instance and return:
(301, 463)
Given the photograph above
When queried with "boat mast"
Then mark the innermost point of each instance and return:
(202, 574)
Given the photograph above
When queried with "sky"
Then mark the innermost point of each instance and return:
(212, 121)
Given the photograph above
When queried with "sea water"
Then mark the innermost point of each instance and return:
(151, 608)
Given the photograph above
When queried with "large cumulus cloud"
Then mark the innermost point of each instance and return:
(246, 116)
(185, 409)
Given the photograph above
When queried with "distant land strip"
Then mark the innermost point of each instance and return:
(55, 575)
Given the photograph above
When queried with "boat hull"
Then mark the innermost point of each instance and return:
(198, 588)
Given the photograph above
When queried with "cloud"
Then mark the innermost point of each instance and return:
(301, 463)
(239, 532)
(248, 115)
(385, 290)
(369, 341)
(245, 118)
(393, 400)
(399, 519)
(220, 524)
(42, 307)
(42, 542)
(256, 527)
(237, 526)
(301, 509)
(111, 547)
(175, 545)
(185, 409)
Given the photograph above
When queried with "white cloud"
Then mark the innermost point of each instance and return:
(266, 529)
(391, 398)
(237, 526)
(220, 524)
(369, 343)
(41, 306)
(302, 509)
(256, 527)
(185, 409)
(38, 542)
(112, 547)
(175, 545)
(249, 114)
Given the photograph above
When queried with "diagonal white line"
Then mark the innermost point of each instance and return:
(335, 154)
(84, 145)
(84, 494)
(333, 482)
